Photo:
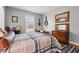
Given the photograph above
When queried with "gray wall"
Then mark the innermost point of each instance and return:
(74, 21)
(9, 12)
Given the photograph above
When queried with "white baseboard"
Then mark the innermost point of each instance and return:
(73, 43)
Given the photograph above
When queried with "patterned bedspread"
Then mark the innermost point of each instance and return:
(34, 42)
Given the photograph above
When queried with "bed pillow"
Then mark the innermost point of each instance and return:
(4, 45)
(10, 37)
(1, 34)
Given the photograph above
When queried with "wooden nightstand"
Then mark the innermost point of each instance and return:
(62, 37)
(17, 32)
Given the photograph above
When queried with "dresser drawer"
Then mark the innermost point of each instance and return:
(61, 36)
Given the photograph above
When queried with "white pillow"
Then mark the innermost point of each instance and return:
(10, 37)
(1, 34)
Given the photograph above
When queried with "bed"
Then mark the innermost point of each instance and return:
(34, 42)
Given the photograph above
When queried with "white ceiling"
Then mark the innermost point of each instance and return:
(36, 9)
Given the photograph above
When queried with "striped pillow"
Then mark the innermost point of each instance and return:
(10, 37)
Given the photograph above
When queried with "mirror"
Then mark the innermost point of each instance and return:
(62, 17)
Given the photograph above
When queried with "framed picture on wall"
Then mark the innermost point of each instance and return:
(14, 19)
(62, 17)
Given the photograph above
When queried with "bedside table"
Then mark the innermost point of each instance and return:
(17, 32)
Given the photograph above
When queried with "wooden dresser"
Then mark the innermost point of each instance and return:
(62, 37)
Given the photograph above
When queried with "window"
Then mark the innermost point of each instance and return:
(29, 23)
(1, 17)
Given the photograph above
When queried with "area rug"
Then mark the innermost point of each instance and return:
(69, 48)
